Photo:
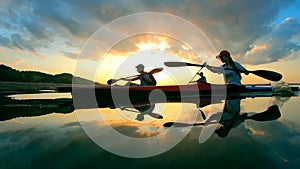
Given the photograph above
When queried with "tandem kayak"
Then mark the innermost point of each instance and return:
(115, 96)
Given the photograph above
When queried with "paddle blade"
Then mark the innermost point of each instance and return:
(267, 74)
(157, 116)
(181, 64)
(272, 113)
(155, 70)
(111, 81)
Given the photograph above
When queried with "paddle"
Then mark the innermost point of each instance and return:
(178, 124)
(112, 81)
(181, 64)
(196, 74)
(266, 74)
(272, 113)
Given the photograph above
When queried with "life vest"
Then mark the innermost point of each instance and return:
(153, 81)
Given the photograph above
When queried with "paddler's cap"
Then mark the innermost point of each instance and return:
(223, 53)
(140, 65)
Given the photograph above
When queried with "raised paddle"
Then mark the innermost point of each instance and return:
(112, 81)
(266, 74)
(272, 113)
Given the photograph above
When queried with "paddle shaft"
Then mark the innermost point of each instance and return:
(196, 74)
(111, 81)
(266, 74)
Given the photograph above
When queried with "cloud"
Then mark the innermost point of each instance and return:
(230, 24)
(280, 43)
(32, 25)
(70, 54)
(4, 41)
(18, 61)
(36, 28)
(19, 42)
(239, 26)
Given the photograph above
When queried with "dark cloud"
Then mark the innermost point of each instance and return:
(36, 28)
(70, 55)
(4, 41)
(19, 42)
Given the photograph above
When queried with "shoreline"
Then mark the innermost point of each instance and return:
(27, 87)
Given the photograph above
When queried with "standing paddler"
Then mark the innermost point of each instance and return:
(231, 69)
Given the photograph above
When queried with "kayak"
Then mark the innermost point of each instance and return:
(200, 88)
(116, 96)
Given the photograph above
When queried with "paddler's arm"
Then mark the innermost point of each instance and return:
(136, 78)
(241, 68)
(214, 69)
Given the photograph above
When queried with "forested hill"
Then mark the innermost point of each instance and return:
(9, 74)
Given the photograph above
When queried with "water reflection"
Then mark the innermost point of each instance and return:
(274, 144)
(12, 108)
(232, 116)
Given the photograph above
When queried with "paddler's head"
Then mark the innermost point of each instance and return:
(140, 68)
(224, 56)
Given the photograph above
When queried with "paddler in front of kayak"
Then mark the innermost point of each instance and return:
(146, 79)
(231, 69)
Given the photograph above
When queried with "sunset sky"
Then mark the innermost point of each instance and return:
(49, 35)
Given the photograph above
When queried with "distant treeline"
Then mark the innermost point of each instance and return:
(9, 74)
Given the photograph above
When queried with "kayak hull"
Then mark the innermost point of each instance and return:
(118, 96)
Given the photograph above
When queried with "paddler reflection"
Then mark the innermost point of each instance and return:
(232, 118)
(142, 111)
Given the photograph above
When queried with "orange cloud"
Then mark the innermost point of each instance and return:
(18, 62)
(257, 48)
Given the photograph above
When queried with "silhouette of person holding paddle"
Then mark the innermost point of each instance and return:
(147, 79)
(231, 69)
(202, 78)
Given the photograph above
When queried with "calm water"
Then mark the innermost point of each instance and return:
(41, 132)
